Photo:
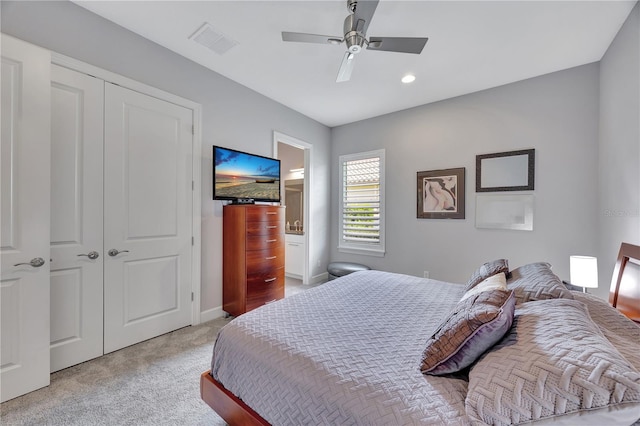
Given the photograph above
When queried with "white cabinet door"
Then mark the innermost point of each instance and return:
(294, 256)
(147, 223)
(24, 217)
(77, 102)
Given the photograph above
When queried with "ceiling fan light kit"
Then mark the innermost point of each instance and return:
(355, 30)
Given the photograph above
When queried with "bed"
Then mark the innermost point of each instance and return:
(512, 346)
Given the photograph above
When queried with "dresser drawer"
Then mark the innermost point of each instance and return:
(265, 214)
(264, 242)
(264, 228)
(264, 288)
(259, 261)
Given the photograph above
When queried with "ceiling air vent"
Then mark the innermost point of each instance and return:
(212, 39)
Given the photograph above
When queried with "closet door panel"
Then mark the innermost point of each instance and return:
(77, 255)
(148, 191)
(24, 217)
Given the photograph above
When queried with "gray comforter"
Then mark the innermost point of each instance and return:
(347, 352)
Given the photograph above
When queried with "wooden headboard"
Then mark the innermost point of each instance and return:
(624, 293)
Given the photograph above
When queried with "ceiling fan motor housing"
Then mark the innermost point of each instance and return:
(355, 39)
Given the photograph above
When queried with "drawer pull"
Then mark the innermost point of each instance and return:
(272, 212)
(272, 227)
(270, 301)
(272, 241)
(270, 280)
(270, 257)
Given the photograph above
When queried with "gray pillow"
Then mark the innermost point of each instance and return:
(554, 365)
(475, 325)
(487, 270)
(536, 281)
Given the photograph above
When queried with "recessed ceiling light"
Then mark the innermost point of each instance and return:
(409, 78)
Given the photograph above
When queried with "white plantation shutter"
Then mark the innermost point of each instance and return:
(362, 203)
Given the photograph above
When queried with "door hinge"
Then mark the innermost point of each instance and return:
(193, 185)
(192, 296)
(193, 241)
(193, 129)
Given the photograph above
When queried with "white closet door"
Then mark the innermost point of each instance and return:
(76, 217)
(24, 217)
(147, 223)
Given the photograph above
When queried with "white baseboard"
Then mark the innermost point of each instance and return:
(292, 275)
(211, 314)
(320, 278)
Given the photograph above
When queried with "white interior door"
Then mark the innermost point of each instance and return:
(147, 223)
(76, 217)
(24, 217)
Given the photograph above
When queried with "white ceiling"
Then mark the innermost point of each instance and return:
(473, 45)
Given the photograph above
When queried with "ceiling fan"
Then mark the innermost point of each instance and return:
(355, 30)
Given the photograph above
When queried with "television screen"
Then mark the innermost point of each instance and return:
(239, 174)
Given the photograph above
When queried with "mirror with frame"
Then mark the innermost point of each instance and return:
(506, 171)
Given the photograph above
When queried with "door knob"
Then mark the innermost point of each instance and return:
(92, 255)
(36, 262)
(115, 252)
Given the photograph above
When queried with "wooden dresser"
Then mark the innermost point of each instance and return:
(253, 256)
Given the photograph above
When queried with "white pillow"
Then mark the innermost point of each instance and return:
(494, 282)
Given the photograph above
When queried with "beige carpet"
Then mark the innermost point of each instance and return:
(156, 382)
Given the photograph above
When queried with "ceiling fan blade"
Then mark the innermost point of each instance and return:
(398, 44)
(344, 74)
(310, 38)
(364, 12)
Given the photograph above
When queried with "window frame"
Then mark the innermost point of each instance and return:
(361, 247)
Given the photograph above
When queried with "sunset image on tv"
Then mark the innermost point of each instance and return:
(242, 175)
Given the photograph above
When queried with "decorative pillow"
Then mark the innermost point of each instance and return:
(553, 365)
(487, 270)
(536, 281)
(495, 282)
(475, 325)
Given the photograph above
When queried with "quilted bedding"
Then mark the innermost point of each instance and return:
(346, 352)
(624, 334)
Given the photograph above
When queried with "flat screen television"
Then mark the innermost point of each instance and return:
(243, 177)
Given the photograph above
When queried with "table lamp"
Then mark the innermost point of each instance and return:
(583, 272)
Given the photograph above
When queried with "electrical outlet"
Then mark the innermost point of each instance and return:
(426, 274)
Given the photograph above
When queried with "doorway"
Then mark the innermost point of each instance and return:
(295, 158)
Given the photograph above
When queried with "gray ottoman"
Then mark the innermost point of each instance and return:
(339, 269)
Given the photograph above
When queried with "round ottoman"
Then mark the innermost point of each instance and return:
(339, 269)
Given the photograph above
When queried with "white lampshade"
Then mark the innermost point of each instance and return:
(583, 271)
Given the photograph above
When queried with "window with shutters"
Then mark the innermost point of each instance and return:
(361, 222)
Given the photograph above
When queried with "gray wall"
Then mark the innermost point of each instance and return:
(233, 115)
(557, 114)
(583, 123)
(619, 148)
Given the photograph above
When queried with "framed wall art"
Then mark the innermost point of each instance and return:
(506, 171)
(501, 211)
(441, 194)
